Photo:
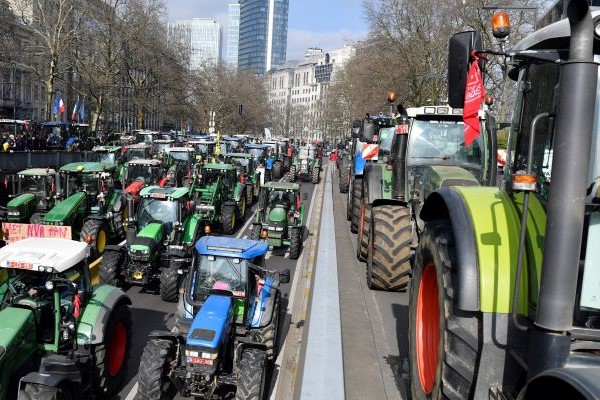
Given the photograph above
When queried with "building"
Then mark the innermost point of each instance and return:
(203, 36)
(233, 34)
(297, 89)
(263, 34)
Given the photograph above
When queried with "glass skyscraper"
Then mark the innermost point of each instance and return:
(203, 36)
(233, 34)
(263, 34)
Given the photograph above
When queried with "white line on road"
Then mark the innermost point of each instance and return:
(133, 392)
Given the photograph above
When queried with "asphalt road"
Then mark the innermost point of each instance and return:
(150, 313)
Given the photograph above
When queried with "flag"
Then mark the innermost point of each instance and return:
(474, 95)
(61, 105)
(55, 106)
(82, 111)
(74, 113)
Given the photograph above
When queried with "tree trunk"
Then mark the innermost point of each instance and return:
(97, 113)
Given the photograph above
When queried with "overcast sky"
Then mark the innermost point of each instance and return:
(327, 24)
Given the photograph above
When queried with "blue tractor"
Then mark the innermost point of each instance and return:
(226, 328)
(262, 156)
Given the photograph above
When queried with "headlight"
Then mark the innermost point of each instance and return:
(14, 213)
(206, 208)
(279, 229)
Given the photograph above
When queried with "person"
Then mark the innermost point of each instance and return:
(333, 157)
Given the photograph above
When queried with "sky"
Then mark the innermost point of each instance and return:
(327, 24)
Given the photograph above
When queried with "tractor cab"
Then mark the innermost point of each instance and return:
(138, 150)
(161, 147)
(139, 173)
(35, 191)
(162, 206)
(109, 154)
(180, 163)
(244, 163)
(213, 173)
(259, 152)
(205, 148)
(144, 136)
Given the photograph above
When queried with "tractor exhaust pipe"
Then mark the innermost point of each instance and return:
(550, 339)
(400, 144)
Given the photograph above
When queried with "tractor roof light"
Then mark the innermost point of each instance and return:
(392, 96)
(500, 25)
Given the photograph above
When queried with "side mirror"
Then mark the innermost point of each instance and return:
(459, 56)
(284, 276)
(368, 132)
(356, 128)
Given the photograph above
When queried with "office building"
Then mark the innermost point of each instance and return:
(203, 37)
(263, 34)
(233, 34)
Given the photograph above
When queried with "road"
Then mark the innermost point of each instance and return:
(150, 313)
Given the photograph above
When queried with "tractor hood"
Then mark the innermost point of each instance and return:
(135, 187)
(278, 214)
(211, 324)
(21, 200)
(62, 210)
(441, 176)
(148, 238)
(17, 335)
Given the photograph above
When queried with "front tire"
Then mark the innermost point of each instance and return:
(277, 169)
(295, 243)
(364, 229)
(255, 233)
(97, 232)
(388, 260)
(228, 213)
(169, 284)
(111, 356)
(315, 174)
(293, 174)
(110, 271)
(355, 204)
(344, 179)
(443, 343)
(252, 375)
(241, 206)
(153, 379)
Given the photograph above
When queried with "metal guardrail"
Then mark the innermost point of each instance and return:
(20, 160)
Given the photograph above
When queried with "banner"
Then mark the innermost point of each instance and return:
(23, 231)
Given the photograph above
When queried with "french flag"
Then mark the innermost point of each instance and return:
(74, 113)
(61, 106)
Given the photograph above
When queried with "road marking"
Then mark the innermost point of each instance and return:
(133, 392)
(245, 237)
(287, 254)
(268, 255)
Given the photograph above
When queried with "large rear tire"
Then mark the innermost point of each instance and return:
(169, 284)
(293, 174)
(111, 268)
(228, 214)
(277, 169)
(112, 354)
(315, 174)
(388, 260)
(295, 243)
(255, 232)
(344, 179)
(153, 378)
(443, 342)
(364, 230)
(252, 375)
(97, 232)
(356, 201)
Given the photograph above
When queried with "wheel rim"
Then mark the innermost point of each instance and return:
(101, 241)
(125, 214)
(428, 328)
(116, 349)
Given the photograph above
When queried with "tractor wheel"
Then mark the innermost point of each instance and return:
(267, 336)
(315, 174)
(356, 198)
(295, 242)
(277, 169)
(228, 214)
(362, 237)
(36, 218)
(34, 391)
(293, 174)
(241, 207)
(95, 233)
(252, 375)
(112, 354)
(349, 205)
(111, 268)
(249, 195)
(118, 220)
(153, 378)
(287, 162)
(388, 261)
(169, 284)
(344, 179)
(255, 233)
(443, 344)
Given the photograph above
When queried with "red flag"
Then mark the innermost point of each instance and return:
(474, 95)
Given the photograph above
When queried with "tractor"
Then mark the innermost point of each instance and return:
(306, 164)
(205, 149)
(140, 173)
(33, 194)
(61, 337)
(109, 154)
(220, 197)
(228, 321)
(159, 242)
(504, 291)
(180, 166)
(145, 136)
(277, 154)
(160, 148)
(424, 152)
(279, 216)
(138, 150)
(248, 173)
(93, 208)
(260, 153)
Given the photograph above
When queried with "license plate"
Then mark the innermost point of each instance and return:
(198, 360)
(20, 265)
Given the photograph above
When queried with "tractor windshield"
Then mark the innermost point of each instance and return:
(33, 184)
(443, 141)
(240, 162)
(282, 198)
(82, 183)
(144, 137)
(221, 273)
(108, 158)
(144, 173)
(161, 148)
(157, 210)
(306, 152)
(386, 138)
(204, 148)
(180, 156)
(256, 152)
(134, 153)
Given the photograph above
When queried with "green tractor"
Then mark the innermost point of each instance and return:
(279, 217)
(159, 242)
(307, 164)
(93, 208)
(221, 198)
(34, 194)
(248, 173)
(424, 152)
(61, 337)
(180, 166)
